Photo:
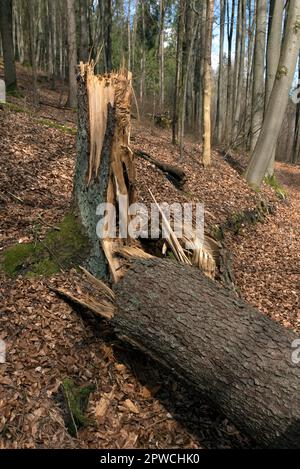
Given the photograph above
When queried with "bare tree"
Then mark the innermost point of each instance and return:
(72, 53)
(7, 44)
(207, 88)
(278, 101)
(273, 56)
(258, 72)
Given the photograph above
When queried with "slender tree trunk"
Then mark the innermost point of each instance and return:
(229, 101)
(276, 109)
(258, 72)
(84, 36)
(220, 102)
(207, 88)
(161, 56)
(143, 56)
(295, 150)
(128, 37)
(52, 49)
(186, 79)
(273, 56)
(134, 33)
(7, 44)
(107, 35)
(180, 27)
(72, 53)
(240, 70)
(31, 16)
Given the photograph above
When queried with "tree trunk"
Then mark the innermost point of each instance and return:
(72, 53)
(161, 55)
(7, 44)
(241, 72)
(274, 116)
(84, 37)
(207, 86)
(220, 100)
(104, 169)
(31, 25)
(226, 350)
(273, 56)
(295, 148)
(107, 35)
(180, 27)
(258, 72)
(229, 100)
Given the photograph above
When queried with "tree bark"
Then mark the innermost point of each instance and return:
(207, 88)
(7, 44)
(225, 349)
(274, 116)
(258, 72)
(161, 54)
(84, 37)
(72, 53)
(104, 168)
(220, 99)
(273, 56)
(229, 101)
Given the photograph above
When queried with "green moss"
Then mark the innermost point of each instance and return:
(69, 243)
(60, 249)
(13, 107)
(44, 268)
(77, 399)
(56, 125)
(18, 257)
(46, 122)
(275, 184)
(281, 72)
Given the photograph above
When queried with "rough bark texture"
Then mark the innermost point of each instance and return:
(258, 72)
(207, 86)
(225, 349)
(104, 168)
(7, 44)
(72, 52)
(88, 197)
(278, 101)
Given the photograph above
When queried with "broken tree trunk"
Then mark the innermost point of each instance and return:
(226, 350)
(104, 168)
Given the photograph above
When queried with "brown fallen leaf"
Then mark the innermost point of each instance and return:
(102, 407)
(4, 380)
(131, 406)
(145, 392)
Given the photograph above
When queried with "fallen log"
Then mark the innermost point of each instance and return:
(176, 175)
(226, 350)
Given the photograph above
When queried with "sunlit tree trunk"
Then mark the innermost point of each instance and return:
(220, 102)
(207, 88)
(273, 56)
(276, 109)
(258, 72)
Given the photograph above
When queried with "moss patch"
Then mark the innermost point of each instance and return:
(76, 402)
(60, 249)
(55, 125)
(275, 184)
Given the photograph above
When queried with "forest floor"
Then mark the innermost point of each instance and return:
(48, 340)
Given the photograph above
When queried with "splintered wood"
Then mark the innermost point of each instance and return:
(113, 90)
